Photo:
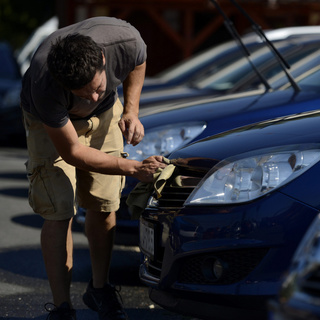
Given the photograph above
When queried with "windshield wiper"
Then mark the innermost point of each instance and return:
(234, 33)
(283, 63)
(230, 27)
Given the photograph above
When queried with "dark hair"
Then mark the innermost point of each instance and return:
(74, 60)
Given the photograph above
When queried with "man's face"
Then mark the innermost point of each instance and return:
(94, 90)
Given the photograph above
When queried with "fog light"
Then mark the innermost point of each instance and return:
(217, 269)
(214, 269)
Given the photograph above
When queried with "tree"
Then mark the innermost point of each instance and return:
(19, 18)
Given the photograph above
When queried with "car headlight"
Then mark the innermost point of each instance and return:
(164, 139)
(249, 178)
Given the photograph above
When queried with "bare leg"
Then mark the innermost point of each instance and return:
(57, 250)
(100, 229)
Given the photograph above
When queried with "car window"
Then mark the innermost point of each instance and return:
(240, 75)
(229, 76)
(271, 68)
(227, 58)
(312, 81)
(214, 57)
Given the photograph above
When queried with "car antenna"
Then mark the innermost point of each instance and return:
(284, 64)
(234, 33)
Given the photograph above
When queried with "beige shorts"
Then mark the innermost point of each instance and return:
(56, 188)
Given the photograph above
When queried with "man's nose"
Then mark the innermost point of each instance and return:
(94, 97)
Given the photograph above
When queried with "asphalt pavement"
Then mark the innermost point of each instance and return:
(24, 288)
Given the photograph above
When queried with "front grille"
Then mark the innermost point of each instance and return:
(173, 197)
(178, 189)
(238, 265)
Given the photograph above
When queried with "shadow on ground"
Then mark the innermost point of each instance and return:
(36, 221)
(28, 262)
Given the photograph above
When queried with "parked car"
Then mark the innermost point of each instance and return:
(169, 129)
(11, 70)
(25, 53)
(201, 65)
(299, 294)
(10, 86)
(171, 125)
(218, 240)
(199, 115)
(236, 75)
(228, 70)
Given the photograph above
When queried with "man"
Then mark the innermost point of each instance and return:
(74, 134)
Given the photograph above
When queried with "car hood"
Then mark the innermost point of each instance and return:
(187, 101)
(232, 111)
(177, 93)
(290, 130)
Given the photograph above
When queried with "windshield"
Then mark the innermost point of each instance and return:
(240, 75)
(214, 58)
(312, 80)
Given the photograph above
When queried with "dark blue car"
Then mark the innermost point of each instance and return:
(11, 127)
(222, 234)
(171, 126)
(236, 76)
(167, 130)
(185, 78)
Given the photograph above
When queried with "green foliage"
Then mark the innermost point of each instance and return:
(19, 18)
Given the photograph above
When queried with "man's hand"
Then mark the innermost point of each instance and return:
(149, 167)
(130, 124)
(131, 127)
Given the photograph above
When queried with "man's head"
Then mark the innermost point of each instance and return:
(75, 60)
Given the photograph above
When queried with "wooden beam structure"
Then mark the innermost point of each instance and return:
(176, 29)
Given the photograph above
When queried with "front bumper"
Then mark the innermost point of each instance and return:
(253, 244)
(210, 307)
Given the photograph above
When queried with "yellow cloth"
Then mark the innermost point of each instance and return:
(138, 197)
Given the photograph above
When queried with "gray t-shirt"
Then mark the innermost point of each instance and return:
(43, 97)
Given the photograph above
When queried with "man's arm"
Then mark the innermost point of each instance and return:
(66, 142)
(130, 124)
